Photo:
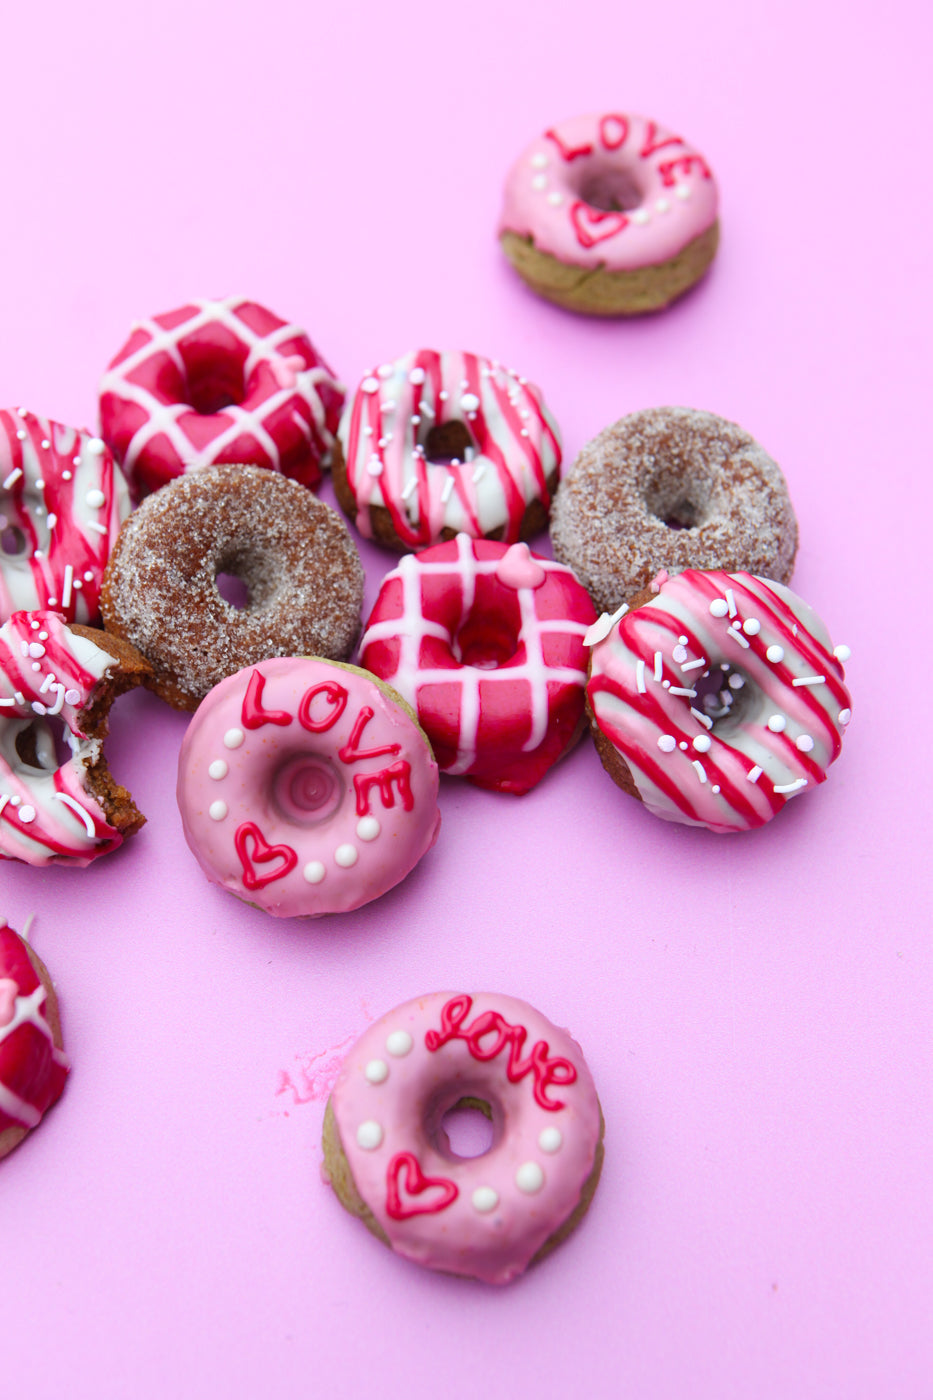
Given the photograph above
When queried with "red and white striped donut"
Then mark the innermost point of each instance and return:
(33, 1065)
(218, 381)
(398, 457)
(722, 695)
(62, 502)
(485, 642)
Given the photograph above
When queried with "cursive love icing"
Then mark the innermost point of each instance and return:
(546, 1071)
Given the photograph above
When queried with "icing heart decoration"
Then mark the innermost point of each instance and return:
(594, 226)
(261, 854)
(424, 1195)
(9, 990)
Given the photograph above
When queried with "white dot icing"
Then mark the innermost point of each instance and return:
(218, 769)
(314, 872)
(539, 160)
(399, 1043)
(550, 1139)
(529, 1178)
(485, 1199)
(346, 855)
(369, 1135)
(377, 1071)
(233, 738)
(218, 810)
(555, 197)
(368, 828)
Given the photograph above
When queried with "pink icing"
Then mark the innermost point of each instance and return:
(766, 722)
(486, 644)
(32, 1068)
(666, 190)
(218, 381)
(304, 789)
(62, 502)
(486, 1216)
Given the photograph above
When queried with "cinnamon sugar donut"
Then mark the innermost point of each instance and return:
(293, 553)
(671, 488)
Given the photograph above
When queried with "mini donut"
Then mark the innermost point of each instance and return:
(33, 1065)
(62, 502)
(389, 1159)
(58, 679)
(717, 698)
(218, 381)
(610, 215)
(435, 444)
(671, 488)
(306, 787)
(293, 554)
(485, 642)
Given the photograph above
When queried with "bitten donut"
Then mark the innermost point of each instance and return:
(389, 1158)
(33, 1064)
(485, 642)
(62, 501)
(435, 444)
(293, 554)
(306, 787)
(57, 810)
(218, 381)
(610, 214)
(671, 488)
(717, 698)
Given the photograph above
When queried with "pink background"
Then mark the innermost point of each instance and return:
(756, 1010)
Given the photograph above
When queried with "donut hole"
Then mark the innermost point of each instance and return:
(466, 1130)
(38, 745)
(234, 590)
(676, 503)
(485, 642)
(306, 789)
(611, 191)
(724, 694)
(448, 443)
(215, 384)
(12, 541)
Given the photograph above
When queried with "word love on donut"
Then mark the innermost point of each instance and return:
(33, 1065)
(717, 698)
(306, 787)
(610, 214)
(389, 1157)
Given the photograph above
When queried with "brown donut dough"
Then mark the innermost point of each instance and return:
(294, 555)
(671, 488)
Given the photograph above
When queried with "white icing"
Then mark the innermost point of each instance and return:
(369, 1135)
(399, 1043)
(314, 872)
(218, 769)
(550, 1139)
(529, 1178)
(346, 856)
(368, 828)
(485, 1199)
(377, 1071)
(234, 738)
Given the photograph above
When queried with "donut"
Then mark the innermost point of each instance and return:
(671, 488)
(435, 444)
(292, 553)
(306, 787)
(610, 215)
(59, 804)
(62, 501)
(33, 1065)
(485, 642)
(716, 698)
(218, 381)
(388, 1155)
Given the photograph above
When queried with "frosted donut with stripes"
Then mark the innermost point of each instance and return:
(33, 1065)
(438, 443)
(716, 698)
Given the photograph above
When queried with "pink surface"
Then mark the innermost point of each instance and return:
(755, 1010)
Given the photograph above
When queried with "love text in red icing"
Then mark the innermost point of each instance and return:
(546, 1071)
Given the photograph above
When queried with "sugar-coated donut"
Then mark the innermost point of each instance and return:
(671, 488)
(33, 1065)
(306, 787)
(62, 501)
(300, 568)
(218, 381)
(435, 444)
(56, 811)
(389, 1158)
(485, 642)
(716, 698)
(610, 214)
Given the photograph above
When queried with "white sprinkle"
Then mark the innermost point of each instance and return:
(27, 815)
(692, 665)
(485, 1199)
(385, 371)
(777, 724)
(425, 407)
(736, 681)
(683, 745)
(640, 676)
(415, 420)
(539, 182)
(374, 466)
(346, 856)
(218, 769)
(842, 652)
(23, 412)
(703, 743)
(804, 743)
(97, 527)
(662, 205)
(682, 191)
(21, 434)
(797, 786)
(399, 1043)
(96, 446)
(666, 684)
(369, 1135)
(446, 489)
(409, 488)
(66, 476)
(658, 665)
(550, 1139)
(15, 800)
(66, 586)
(716, 788)
(755, 773)
(844, 716)
(51, 521)
(233, 738)
(701, 771)
(679, 690)
(314, 872)
(737, 637)
(377, 1071)
(14, 476)
(368, 828)
(529, 1178)
(370, 385)
(88, 575)
(217, 811)
(72, 697)
(751, 627)
(539, 161)
(730, 602)
(443, 396)
(45, 444)
(679, 653)
(36, 649)
(479, 471)
(704, 720)
(76, 461)
(719, 607)
(416, 376)
(79, 811)
(808, 680)
(775, 654)
(555, 198)
(639, 216)
(469, 403)
(667, 743)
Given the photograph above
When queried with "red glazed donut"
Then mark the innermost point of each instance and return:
(485, 642)
(33, 1065)
(218, 381)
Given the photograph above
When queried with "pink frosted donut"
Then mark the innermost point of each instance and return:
(485, 642)
(304, 788)
(389, 1157)
(610, 214)
(218, 382)
(717, 699)
(33, 1065)
(439, 443)
(62, 502)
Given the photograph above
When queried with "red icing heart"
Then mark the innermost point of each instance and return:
(415, 1185)
(594, 226)
(9, 990)
(261, 854)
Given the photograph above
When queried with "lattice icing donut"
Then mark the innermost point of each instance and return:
(33, 1065)
(485, 642)
(716, 698)
(218, 382)
(610, 214)
(306, 787)
(55, 810)
(388, 1154)
(439, 443)
(62, 502)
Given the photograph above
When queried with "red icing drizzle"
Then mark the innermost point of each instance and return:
(546, 1071)
(253, 714)
(652, 144)
(337, 695)
(351, 750)
(666, 168)
(620, 136)
(415, 1185)
(569, 152)
(398, 773)
(261, 854)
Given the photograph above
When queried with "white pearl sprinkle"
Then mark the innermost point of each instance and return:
(550, 1139)
(218, 769)
(95, 499)
(217, 810)
(66, 476)
(845, 716)
(416, 376)
(370, 385)
(386, 371)
(485, 1199)
(842, 652)
(36, 649)
(399, 1043)
(682, 191)
(702, 743)
(314, 872)
(555, 198)
(667, 743)
(539, 161)
(529, 1178)
(804, 743)
(716, 788)
(736, 681)
(346, 855)
(45, 444)
(377, 1071)
(683, 745)
(233, 738)
(22, 434)
(639, 216)
(777, 724)
(469, 403)
(368, 828)
(96, 446)
(775, 654)
(27, 814)
(719, 607)
(369, 1135)
(680, 653)
(72, 697)
(751, 627)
